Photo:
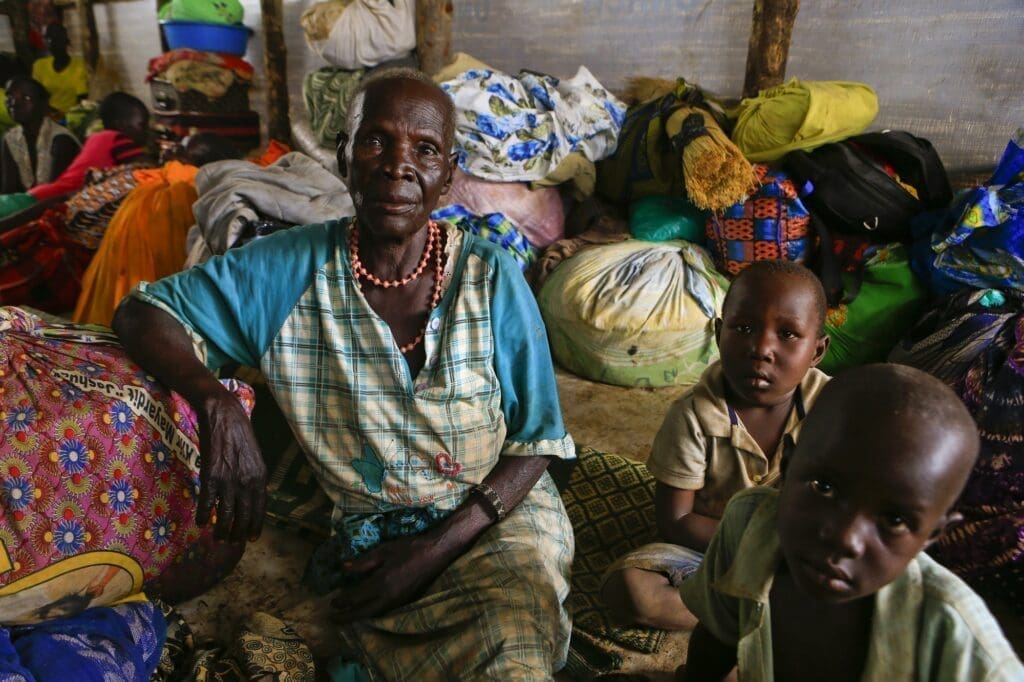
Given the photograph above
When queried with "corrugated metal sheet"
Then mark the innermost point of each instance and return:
(942, 68)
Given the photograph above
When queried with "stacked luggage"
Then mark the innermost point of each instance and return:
(201, 84)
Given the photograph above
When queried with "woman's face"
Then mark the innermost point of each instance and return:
(24, 105)
(401, 162)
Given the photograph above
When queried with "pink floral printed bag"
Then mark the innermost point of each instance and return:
(98, 471)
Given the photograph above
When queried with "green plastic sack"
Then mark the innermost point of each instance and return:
(890, 301)
(659, 219)
(626, 313)
(12, 203)
(208, 11)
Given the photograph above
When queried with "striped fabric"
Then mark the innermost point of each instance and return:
(494, 227)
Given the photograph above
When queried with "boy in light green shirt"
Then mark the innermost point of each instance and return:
(825, 579)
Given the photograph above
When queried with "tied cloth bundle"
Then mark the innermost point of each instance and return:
(716, 174)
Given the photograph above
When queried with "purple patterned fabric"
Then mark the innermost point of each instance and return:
(974, 341)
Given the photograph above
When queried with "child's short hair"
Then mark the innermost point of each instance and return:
(887, 392)
(777, 268)
(36, 89)
(117, 107)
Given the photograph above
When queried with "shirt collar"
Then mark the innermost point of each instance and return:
(895, 627)
(717, 418)
(894, 630)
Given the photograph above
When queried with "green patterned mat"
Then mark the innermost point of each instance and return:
(610, 501)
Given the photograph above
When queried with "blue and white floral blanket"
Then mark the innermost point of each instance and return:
(520, 128)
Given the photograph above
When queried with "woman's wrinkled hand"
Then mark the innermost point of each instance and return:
(389, 576)
(232, 474)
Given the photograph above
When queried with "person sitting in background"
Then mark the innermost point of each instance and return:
(38, 150)
(126, 125)
(201, 149)
(727, 434)
(826, 579)
(10, 66)
(65, 77)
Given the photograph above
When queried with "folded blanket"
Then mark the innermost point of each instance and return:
(295, 189)
(327, 92)
(159, 65)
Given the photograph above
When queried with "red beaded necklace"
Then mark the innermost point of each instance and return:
(433, 234)
(433, 246)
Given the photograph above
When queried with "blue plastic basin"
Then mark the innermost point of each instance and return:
(197, 35)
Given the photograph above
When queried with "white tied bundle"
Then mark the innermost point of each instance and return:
(352, 34)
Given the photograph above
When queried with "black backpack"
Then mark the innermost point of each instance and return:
(850, 192)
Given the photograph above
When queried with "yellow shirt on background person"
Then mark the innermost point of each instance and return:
(65, 86)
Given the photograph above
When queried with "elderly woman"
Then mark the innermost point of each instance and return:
(412, 365)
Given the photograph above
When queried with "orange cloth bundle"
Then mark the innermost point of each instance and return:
(144, 241)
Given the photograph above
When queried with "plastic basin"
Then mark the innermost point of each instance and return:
(197, 35)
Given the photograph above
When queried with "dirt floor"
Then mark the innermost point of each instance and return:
(609, 418)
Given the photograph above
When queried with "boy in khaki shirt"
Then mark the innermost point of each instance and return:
(727, 434)
(826, 579)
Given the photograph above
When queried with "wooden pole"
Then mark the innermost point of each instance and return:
(275, 60)
(89, 37)
(164, 47)
(18, 12)
(433, 34)
(769, 44)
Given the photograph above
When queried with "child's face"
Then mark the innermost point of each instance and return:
(24, 106)
(857, 506)
(768, 339)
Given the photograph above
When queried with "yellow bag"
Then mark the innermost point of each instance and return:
(801, 115)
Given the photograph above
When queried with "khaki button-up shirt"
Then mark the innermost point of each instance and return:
(701, 447)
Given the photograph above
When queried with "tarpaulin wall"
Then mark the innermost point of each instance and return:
(944, 69)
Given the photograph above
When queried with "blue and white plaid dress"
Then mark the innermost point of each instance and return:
(381, 439)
